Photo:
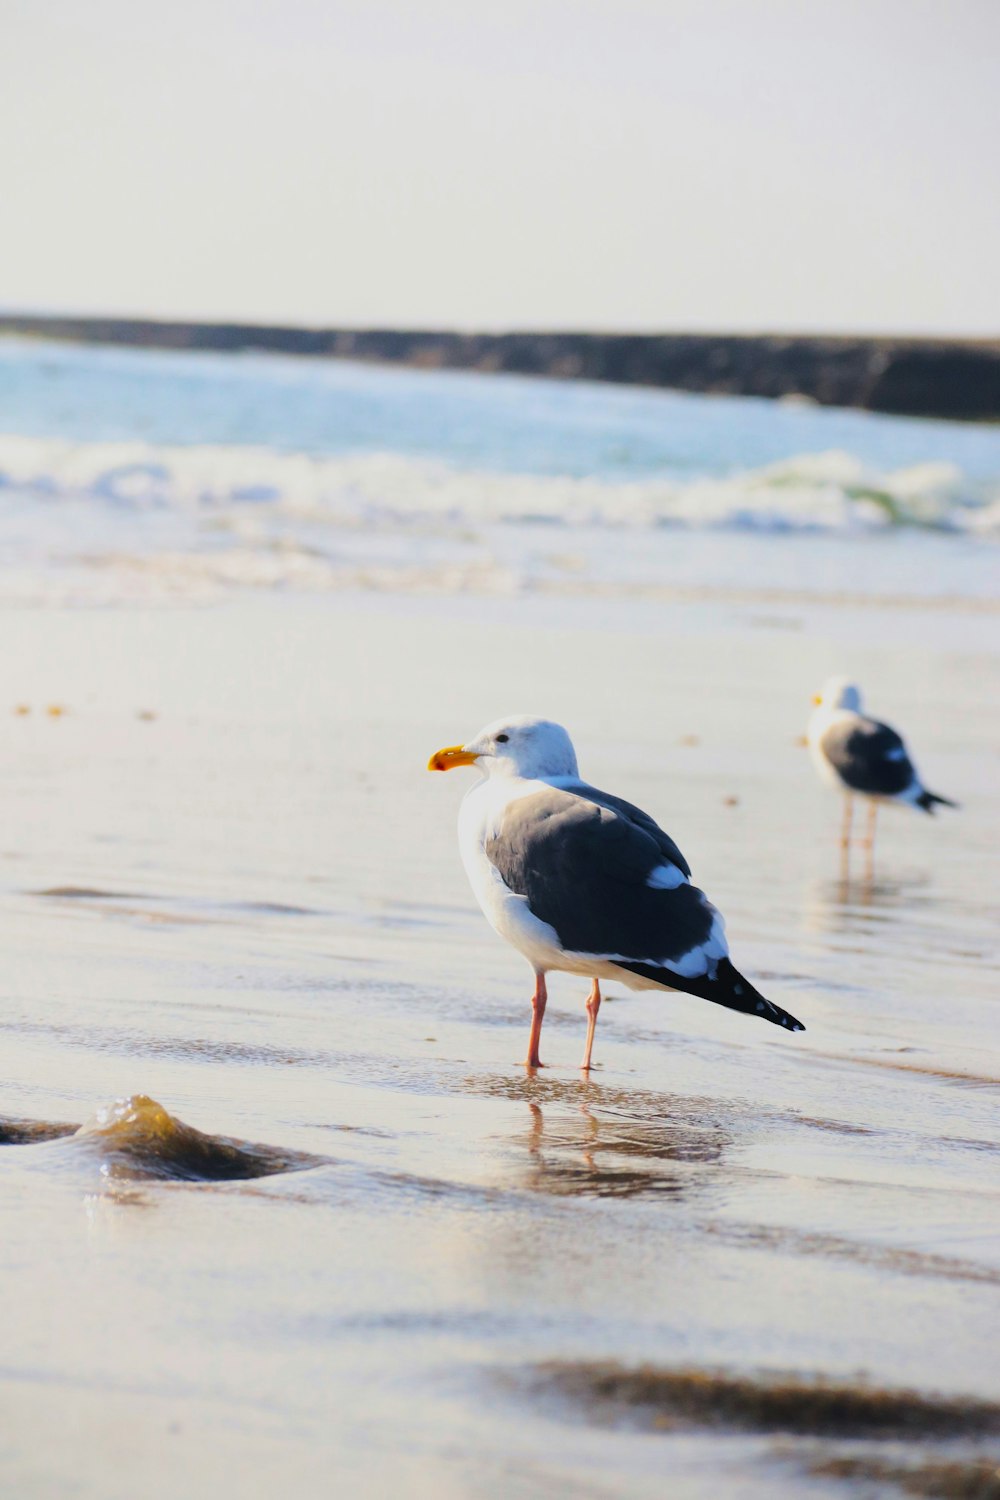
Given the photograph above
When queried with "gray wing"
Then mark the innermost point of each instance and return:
(869, 757)
(583, 861)
(668, 849)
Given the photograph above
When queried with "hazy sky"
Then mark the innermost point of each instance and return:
(791, 164)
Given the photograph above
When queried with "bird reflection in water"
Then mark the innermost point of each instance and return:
(857, 906)
(589, 1151)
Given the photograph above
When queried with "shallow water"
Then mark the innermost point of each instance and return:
(232, 888)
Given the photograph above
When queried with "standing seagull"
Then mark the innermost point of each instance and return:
(583, 882)
(859, 756)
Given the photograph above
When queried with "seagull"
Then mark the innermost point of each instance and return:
(583, 882)
(861, 757)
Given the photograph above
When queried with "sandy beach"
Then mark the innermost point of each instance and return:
(371, 374)
(231, 887)
(374, 373)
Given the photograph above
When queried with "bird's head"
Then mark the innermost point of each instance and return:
(839, 692)
(520, 746)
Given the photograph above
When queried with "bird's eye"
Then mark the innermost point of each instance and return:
(502, 739)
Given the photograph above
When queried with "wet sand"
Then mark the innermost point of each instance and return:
(389, 1259)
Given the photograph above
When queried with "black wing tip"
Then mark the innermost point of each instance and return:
(782, 1018)
(728, 987)
(929, 800)
(742, 995)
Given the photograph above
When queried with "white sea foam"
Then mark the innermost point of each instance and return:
(135, 519)
(814, 492)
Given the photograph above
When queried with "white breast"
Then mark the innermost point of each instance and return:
(508, 914)
(819, 723)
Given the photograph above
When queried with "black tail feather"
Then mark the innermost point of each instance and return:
(929, 800)
(728, 988)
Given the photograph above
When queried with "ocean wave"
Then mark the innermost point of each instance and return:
(228, 486)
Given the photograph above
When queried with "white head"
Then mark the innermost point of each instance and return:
(519, 746)
(839, 692)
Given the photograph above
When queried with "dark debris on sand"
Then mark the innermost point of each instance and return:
(30, 1132)
(666, 1399)
(976, 1479)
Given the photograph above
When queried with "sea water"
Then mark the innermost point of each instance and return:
(128, 473)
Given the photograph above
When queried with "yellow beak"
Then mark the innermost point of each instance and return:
(450, 757)
(817, 699)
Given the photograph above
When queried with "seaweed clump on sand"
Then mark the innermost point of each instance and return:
(30, 1132)
(975, 1479)
(666, 1399)
(138, 1138)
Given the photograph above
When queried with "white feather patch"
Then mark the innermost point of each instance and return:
(666, 878)
(705, 958)
(696, 962)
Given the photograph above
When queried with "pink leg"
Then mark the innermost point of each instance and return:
(593, 1006)
(845, 827)
(538, 1000)
(845, 838)
(869, 840)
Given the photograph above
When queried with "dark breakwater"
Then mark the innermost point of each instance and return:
(951, 378)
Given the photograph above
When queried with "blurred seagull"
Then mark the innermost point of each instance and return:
(583, 882)
(861, 757)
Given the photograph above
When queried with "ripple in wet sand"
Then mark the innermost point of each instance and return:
(167, 910)
(894, 1258)
(85, 893)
